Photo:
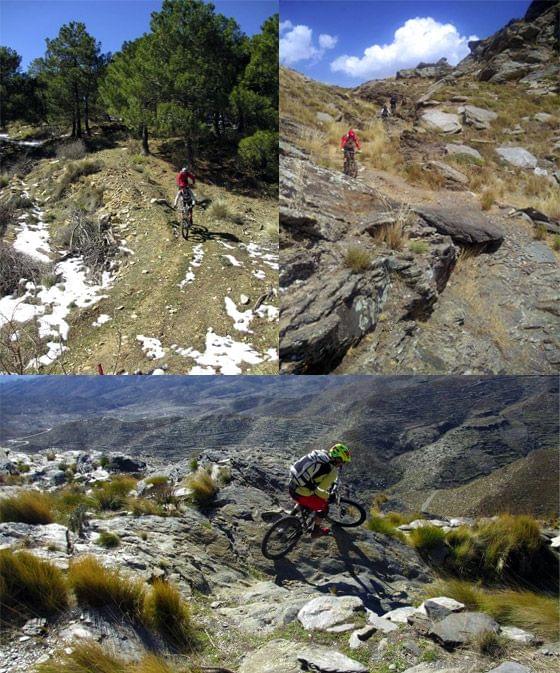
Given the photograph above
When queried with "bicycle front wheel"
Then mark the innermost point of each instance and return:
(346, 513)
(281, 538)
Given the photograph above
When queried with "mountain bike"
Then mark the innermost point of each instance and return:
(186, 210)
(285, 533)
(350, 165)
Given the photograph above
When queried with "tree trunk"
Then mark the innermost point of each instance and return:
(86, 115)
(78, 113)
(73, 124)
(145, 147)
(217, 128)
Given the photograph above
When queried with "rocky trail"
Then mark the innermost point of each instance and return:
(351, 603)
(163, 304)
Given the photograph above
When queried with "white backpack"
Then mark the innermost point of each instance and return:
(306, 467)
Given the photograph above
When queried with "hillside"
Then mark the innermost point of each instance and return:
(442, 255)
(144, 300)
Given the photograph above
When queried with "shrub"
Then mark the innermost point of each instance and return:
(7, 217)
(487, 199)
(220, 210)
(204, 488)
(381, 524)
(4, 179)
(556, 243)
(73, 149)
(14, 266)
(27, 507)
(86, 238)
(357, 258)
(193, 464)
(167, 613)
(104, 461)
(259, 154)
(50, 455)
(99, 587)
(508, 542)
(108, 540)
(490, 644)
(20, 202)
(113, 495)
(74, 171)
(144, 506)
(418, 247)
(30, 587)
(426, 538)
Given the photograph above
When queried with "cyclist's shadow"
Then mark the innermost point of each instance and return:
(198, 233)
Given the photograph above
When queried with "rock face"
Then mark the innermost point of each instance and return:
(452, 175)
(427, 70)
(477, 117)
(323, 613)
(464, 226)
(460, 628)
(444, 122)
(517, 156)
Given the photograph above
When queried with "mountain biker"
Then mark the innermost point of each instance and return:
(312, 477)
(350, 142)
(393, 101)
(385, 112)
(185, 180)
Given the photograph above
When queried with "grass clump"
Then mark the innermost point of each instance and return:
(98, 587)
(490, 644)
(357, 258)
(74, 149)
(379, 523)
(85, 657)
(27, 507)
(426, 538)
(145, 507)
(108, 540)
(487, 199)
(418, 247)
(113, 495)
(14, 266)
(73, 172)
(540, 232)
(220, 210)
(167, 613)
(204, 488)
(7, 217)
(29, 587)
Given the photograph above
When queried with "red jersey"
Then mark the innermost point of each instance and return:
(184, 179)
(345, 139)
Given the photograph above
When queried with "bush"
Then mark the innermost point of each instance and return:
(490, 644)
(74, 171)
(556, 243)
(204, 488)
(20, 202)
(220, 210)
(357, 258)
(427, 538)
(29, 587)
(73, 149)
(7, 217)
(381, 524)
(4, 179)
(27, 507)
(86, 238)
(259, 154)
(108, 540)
(508, 542)
(144, 506)
(98, 587)
(14, 266)
(167, 613)
(113, 495)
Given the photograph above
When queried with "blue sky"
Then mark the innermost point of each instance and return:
(24, 24)
(348, 42)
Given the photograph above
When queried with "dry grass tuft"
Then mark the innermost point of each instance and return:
(357, 258)
(113, 495)
(167, 613)
(27, 507)
(204, 488)
(487, 199)
(85, 657)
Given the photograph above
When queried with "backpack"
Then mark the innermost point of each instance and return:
(350, 145)
(304, 469)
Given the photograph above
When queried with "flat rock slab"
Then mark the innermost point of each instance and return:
(519, 635)
(517, 156)
(400, 615)
(464, 225)
(434, 668)
(477, 116)
(460, 628)
(380, 623)
(511, 667)
(441, 121)
(440, 607)
(457, 149)
(324, 612)
(448, 172)
(277, 656)
(326, 660)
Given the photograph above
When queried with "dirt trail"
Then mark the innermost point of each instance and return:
(173, 306)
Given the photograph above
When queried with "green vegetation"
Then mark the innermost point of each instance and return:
(27, 507)
(74, 171)
(108, 540)
(426, 538)
(167, 613)
(490, 644)
(357, 258)
(98, 587)
(204, 488)
(113, 494)
(30, 587)
(418, 247)
(381, 524)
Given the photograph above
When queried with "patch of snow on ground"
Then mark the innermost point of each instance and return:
(271, 355)
(33, 238)
(101, 320)
(268, 311)
(260, 274)
(158, 372)
(56, 348)
(152, 347)
(232, 260)
(223, 355)
(226, 245)
(256, 251)
(198, 254)
(241, 319)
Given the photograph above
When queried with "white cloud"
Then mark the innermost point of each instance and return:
(419, 39)
(296, 44)
(327, 41)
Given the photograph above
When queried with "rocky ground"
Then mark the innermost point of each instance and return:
(455, 211)
(351, 603)
(163, 304)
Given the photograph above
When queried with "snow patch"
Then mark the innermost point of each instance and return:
(268, 311)
(223, 355)
(232, 260)
(198, 254)
(260, 274)
(152, 347)
(101, 320)
(241, 319)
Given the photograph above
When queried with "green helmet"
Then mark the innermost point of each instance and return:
(340, 451)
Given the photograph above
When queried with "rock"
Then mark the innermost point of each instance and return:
(519, 635)
(243, 299)
(464, 225)
(327, 660)
(277, 656)
(460, 628)
(122, 463)
(511, 667)
(503, 69)
(431, 668)
(49, 535)
(324, 117)
(555, 542)
(426, 70)
(438, 608)
(75, 632)
(380, 623)
(449, 173)
(543, 117)
(457, 149)
(441, 121)
(327, 611)
(399, 615)
(358, 637)
(477, 116)
(517, 156)
(551, 649)
(35, 627)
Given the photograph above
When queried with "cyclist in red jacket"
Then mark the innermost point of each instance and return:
(350, 142)
(185, 180)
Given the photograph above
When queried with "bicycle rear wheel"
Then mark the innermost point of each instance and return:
(281, 537)
(347, 513)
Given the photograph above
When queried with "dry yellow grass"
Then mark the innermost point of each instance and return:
(487, 199)
(167, 613)
(27, 507)
(357, 258)
(204, 488)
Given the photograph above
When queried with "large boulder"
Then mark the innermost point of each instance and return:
(456, 149)
(444, 122)
(440, 607)
(327, 660)
(326, 612)
(121, 463)
(477, 116)
(461, 628)
(277, 656)
(452, 175)
(464, 225)
(517, 156)
(511, 667)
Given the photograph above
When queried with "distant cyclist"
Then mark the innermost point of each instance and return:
(185, 180)
(393, 102)
(385, 112)
(312, 477)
